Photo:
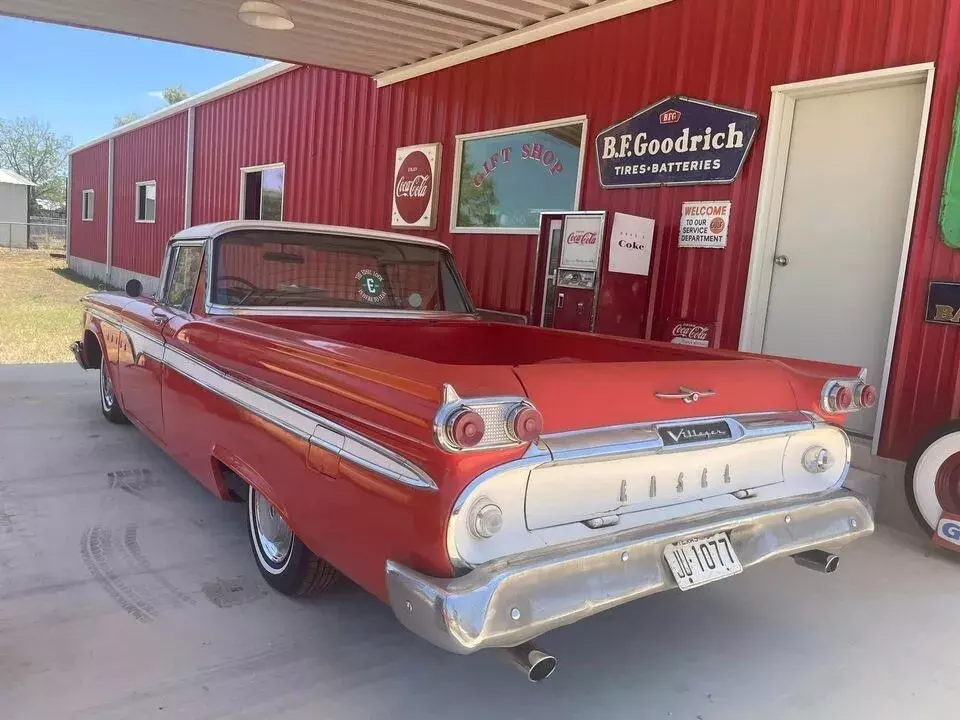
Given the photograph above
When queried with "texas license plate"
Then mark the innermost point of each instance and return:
(701, 561)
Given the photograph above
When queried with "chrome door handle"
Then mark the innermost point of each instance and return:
(781, 260)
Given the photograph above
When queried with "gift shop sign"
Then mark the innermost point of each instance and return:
(415, 186)
(677, 141)
(704, 224)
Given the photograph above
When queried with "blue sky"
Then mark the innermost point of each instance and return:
(78, 80)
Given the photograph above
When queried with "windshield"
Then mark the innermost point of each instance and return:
(275, 268)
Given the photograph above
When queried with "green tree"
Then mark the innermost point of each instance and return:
(171, 95)
(32, 149)
(477, 205)
(175, 94)
(126, 119)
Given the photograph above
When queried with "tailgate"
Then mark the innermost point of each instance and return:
(574, 396)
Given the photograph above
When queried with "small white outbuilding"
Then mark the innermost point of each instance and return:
(14, 209)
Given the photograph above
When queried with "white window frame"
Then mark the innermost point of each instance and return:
(458, 157)
(84, 205)
(244, 171)
(136, 202)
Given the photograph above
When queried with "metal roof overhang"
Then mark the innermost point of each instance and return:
(392, 40)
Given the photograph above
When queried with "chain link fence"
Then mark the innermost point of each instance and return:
(45, 235)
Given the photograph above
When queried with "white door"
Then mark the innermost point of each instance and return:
(842, 221)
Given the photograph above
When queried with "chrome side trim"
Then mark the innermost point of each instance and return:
(509, 601)
(290, 311)
(140, 343)
(343, 442)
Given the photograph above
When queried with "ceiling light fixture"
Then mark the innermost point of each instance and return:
(265, 15)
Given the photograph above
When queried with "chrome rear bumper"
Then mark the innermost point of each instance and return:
(509, 601)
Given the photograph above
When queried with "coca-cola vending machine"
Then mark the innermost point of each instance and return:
(569, 251)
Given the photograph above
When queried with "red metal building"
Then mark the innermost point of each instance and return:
(329, 138)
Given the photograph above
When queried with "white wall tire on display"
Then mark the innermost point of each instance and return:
(933, 477)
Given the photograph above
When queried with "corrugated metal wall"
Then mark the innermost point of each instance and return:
(924, 388)
(89, 167)
(153, 152)
(337, 135)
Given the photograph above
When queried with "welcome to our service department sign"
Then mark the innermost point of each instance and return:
(677, 141)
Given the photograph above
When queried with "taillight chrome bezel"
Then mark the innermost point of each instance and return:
(834, 391)
(508, 408)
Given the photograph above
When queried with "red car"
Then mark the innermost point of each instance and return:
(489, 481)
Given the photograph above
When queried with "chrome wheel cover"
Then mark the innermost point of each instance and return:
(273, 536)
(107, 396)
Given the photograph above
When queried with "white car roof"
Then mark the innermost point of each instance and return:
(200, 232)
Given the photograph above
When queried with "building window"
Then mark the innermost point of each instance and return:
(147, 201)
(86, 205)
(506, 178)
(261, 192)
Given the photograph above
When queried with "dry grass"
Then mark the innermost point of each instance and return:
(39, 307)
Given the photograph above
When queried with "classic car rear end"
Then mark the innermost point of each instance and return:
(491, 482)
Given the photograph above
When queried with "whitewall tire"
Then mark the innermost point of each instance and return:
(285, 562)
(933, 477)
(109, 405)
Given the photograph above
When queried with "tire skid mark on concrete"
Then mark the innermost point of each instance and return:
(132, 545)
(96, 550)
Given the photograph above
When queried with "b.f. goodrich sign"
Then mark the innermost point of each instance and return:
(677, 141)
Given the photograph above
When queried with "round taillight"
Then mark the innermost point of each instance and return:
(843, 398)
(867, 395)
(486, 519)
(527, 424)
(466, 428)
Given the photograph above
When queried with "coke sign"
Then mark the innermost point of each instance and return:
(688, 332)
(582, 238)
(580, 249)
(414, 186)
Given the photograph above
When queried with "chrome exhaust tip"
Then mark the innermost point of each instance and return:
(532, 662)
(819, 560)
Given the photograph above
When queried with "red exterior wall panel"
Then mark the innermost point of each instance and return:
(89, 169)
(337, 133)
(153, 152)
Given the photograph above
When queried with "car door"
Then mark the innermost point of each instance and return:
(141, 352)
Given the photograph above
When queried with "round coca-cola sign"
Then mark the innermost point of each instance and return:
(413, 189)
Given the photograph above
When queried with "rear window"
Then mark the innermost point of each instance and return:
(272, 268)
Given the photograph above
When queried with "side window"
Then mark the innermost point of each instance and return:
(86, 209)
(183, 274)
(146, 202)
(262, 193)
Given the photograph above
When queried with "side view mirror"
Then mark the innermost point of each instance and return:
(134, 287)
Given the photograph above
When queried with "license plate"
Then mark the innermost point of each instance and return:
(701, 561)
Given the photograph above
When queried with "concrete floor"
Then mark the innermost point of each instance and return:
(126, 591)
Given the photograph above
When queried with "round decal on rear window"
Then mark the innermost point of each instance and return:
(371, 286)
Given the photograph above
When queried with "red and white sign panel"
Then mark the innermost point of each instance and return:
(704, 224)
(688, 332)
(582, 240)
(415, 186)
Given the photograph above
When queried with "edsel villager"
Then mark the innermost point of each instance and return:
(489, 481)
